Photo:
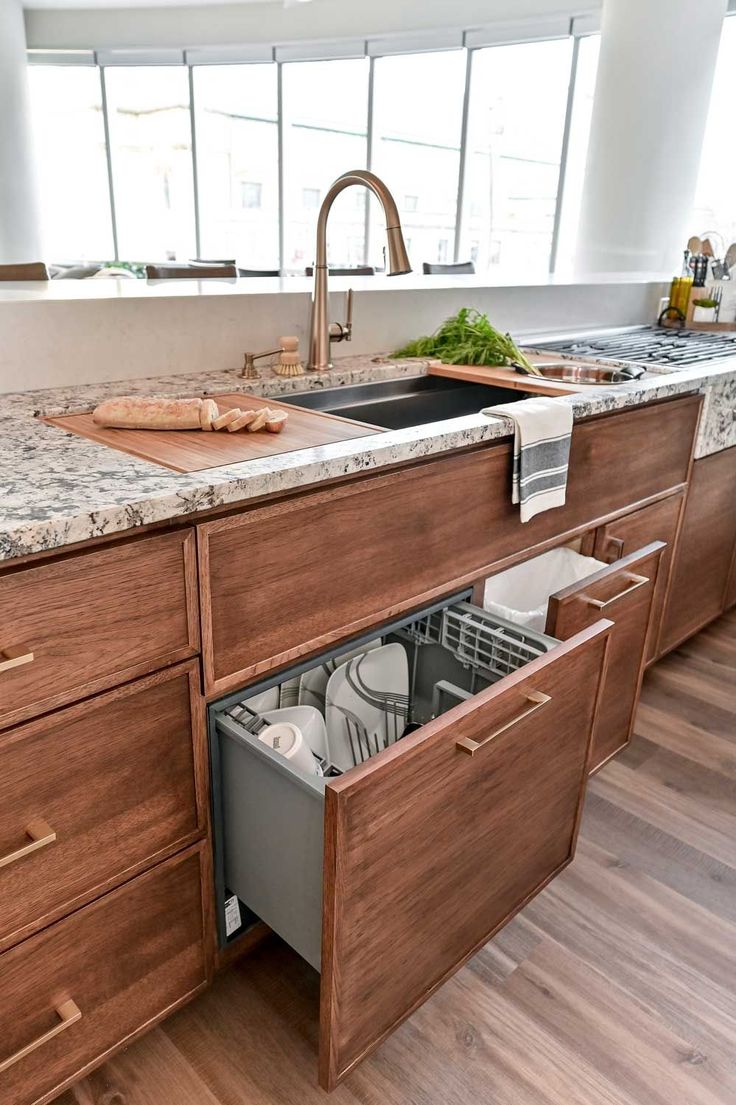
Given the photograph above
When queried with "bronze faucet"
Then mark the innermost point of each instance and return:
(321, 332)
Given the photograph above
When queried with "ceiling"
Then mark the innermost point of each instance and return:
(103, 4)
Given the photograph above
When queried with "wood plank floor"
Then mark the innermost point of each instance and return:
(616, 986)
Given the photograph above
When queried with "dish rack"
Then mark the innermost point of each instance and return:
(479, 640)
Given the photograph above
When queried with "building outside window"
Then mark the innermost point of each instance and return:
(325, 133)
(418, 103)
(151, 154)
(250, 193)
(236, 116)
(69, 132)
(513, 153)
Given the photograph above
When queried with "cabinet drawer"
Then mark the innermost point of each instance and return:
(87, 622)
(94, 793)
(624, 593)
(658, 522)
(393, 873)
(87, 984)
(700, 575)
(328, 564)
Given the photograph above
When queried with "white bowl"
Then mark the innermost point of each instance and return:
(287, 740)
(309, 720)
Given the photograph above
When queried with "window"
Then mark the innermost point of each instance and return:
(250, 194)
(418, 103)
(310, 198)
(69, 132)
(325, 133)
(242, 203)
(577, 150)
(151, 152)
(518, 99)
(715, 210)
(236, 116)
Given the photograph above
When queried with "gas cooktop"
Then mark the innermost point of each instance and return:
(648, 345)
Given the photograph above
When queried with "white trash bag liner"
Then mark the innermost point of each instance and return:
(521, 594)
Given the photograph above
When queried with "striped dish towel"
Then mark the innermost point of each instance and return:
(542, 431)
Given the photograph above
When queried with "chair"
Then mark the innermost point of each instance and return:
(32, 270)
(258, 272)
(207, 262)
(448, 270)
(191, 272)
(359, 270)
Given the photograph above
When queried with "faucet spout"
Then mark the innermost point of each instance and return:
(321, 333)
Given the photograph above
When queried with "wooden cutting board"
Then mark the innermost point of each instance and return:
(195, 450)
(499, 376)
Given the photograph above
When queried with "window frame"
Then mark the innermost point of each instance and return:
(469, 41)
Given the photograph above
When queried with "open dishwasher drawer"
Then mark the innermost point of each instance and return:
(388, 875)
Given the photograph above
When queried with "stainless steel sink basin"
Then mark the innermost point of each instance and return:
(410, 401)
(567, 372)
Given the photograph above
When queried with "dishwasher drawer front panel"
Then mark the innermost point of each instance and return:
(122, 963)
(624, 593)
(291, 578)
(434, 845)
(119, 783)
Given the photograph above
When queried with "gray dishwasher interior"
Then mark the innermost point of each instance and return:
(269, 824)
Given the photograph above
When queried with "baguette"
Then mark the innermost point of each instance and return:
(208, 412)
(259, 421)
(244, 419)
(276, 421)
(225, 419)
(136, 412)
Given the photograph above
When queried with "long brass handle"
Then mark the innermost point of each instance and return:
(68, 1013)
(538, 700)
(41, 835)
(11, 657)
(635, 582)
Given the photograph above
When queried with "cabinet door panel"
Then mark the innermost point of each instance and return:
(624, 593)
(118, 780)
(700, 576)
(429, 850)
(290, 578)
(617, 539)
(75, 992)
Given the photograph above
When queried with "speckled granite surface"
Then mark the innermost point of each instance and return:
(57, 488)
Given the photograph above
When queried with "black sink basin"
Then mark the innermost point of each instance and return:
(411, 401)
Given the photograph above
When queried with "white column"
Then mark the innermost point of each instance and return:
(649, 115)
(19, 225)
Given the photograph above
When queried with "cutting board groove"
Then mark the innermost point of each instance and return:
(195, 450)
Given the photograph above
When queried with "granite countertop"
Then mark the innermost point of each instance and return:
(57, 488)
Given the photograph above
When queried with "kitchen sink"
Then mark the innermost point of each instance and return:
(410, 401)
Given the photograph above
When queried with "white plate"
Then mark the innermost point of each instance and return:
(367, 702)
(313, 683)
(266, 700)
(308, 720)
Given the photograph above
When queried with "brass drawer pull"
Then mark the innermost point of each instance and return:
(14, 657)
(68, 1013)
(538, 700)
(41, 835)
(635, 583)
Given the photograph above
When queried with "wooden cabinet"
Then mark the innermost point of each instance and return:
(421, 853)
(287, 579)
(657, 522)
(86, 622)
(699, 588)
(76, 991)
(95, 793)
(624, 593)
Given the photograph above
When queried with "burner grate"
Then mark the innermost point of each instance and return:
(648, 345)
